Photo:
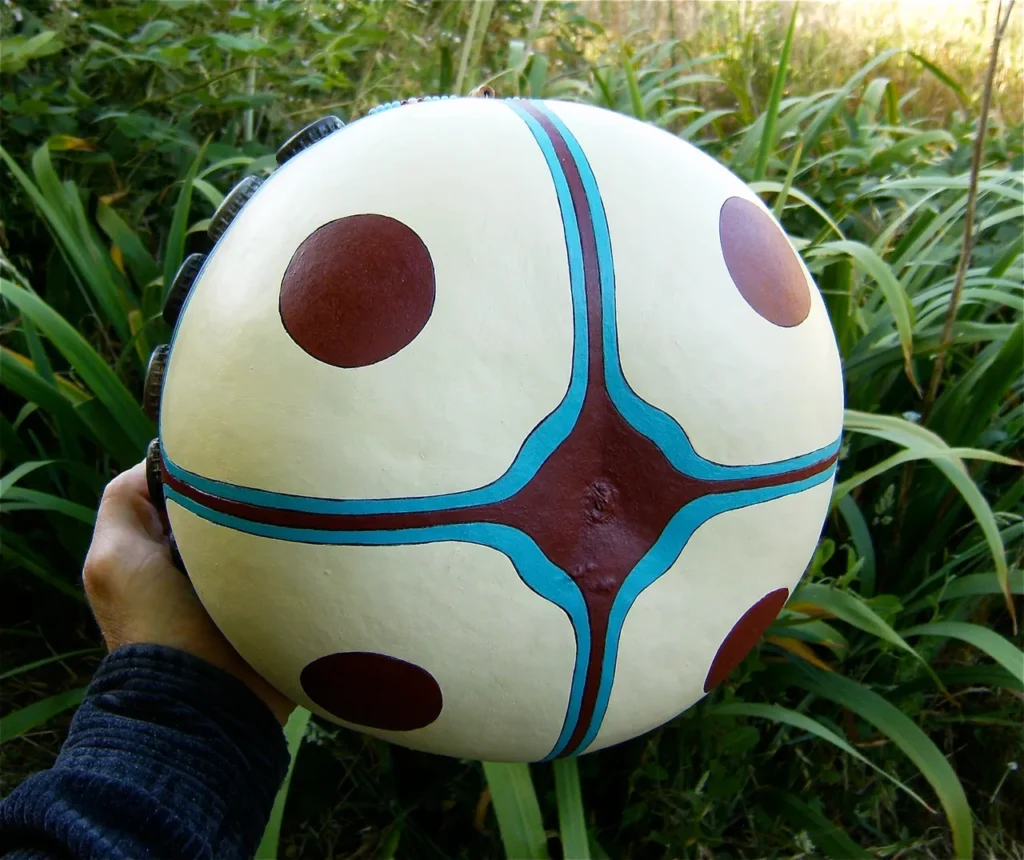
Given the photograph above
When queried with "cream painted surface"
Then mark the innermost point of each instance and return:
(744, 390)
(244, 404)
(675, 627)
(502, 656)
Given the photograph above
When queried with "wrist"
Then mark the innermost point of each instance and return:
(181, 741)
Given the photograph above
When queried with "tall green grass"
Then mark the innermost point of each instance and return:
(875, 717)
(834, 40)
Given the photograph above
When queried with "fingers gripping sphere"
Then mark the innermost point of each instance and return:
(499, 429)
(138, 596)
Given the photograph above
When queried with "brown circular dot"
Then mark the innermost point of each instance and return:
(762, 263)
(744, 635)
(357, 290)
(373, 690)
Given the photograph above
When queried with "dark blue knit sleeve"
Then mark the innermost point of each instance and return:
(167, 757)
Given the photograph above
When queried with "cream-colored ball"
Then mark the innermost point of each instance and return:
(499, 429)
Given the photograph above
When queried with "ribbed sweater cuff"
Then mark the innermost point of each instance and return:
(165, 750)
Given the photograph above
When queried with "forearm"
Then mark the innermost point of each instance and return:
(167, 757)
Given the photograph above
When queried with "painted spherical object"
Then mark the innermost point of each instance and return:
(498, 429)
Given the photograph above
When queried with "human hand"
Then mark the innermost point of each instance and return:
(139, 597)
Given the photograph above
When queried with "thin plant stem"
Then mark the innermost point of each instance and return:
(467, 46)
(480, 32)
(966, 248)
(967, 245)
(249, 117)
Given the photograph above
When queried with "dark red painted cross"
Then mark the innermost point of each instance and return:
(361, 288)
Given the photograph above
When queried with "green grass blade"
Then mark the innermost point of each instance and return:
(848, 607)
(746, 151)
(19, 377)
(893, 291)
(472, 31)
(781, 189)
(19, 472)
(37, 352)
(946, 78)
(12, 446)
(105, 292)
(606, 94)
(174, 250)
(836, 284)
(109, 432)
(798, 626)
(49, 183)
(86, 362)
(893, 429)
(978, 675)
(207, 190)
(97, 252)
(831, 107)
(918, 214)
(15, 553)
(72, 408)
(517, 810)
(138, 259)
(67, 393)
(25, 719)
(225, 164)
(1012, 498)
(14, 558)
(695, 127)
(906, 735)
(968, 405)
(572, 824)
(771, 111)
(46, 661)
(778, 714)
(787, 185)
(923, 241)
(796, 110)
(636, 100)
(997, 647)
(871, 100)
(979, 584)
(389, 847)
(40, 362)
(666, 119)
(861, 537)
(18, 498)
(1006, 259)
(294, 732)
(691, 80)
(822, 832)
(844, 488)
(912, 435)
(907, 147)
(986, 520)
(537, 77)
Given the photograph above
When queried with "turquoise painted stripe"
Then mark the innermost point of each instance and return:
(655, 424)
(539, 445)
(666, 433)
(533, 567)
(662, 556)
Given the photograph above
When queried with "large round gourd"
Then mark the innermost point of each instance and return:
(497, 429)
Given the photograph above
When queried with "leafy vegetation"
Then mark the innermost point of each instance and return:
(881, 714)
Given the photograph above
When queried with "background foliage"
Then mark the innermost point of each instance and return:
(881, 716)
